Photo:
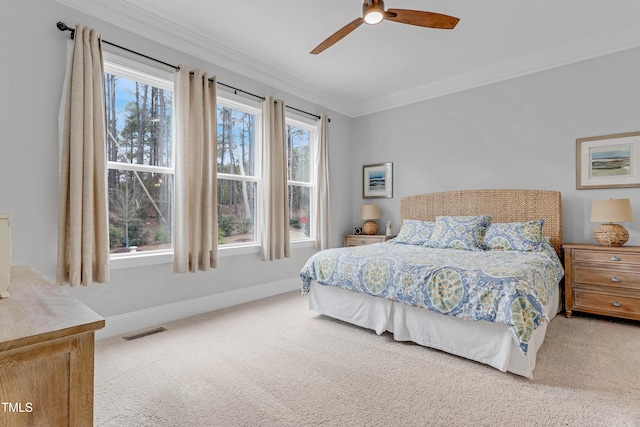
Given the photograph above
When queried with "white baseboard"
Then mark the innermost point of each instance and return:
(147, 318)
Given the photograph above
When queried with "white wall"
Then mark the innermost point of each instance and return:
(33, 65)
(519, 133)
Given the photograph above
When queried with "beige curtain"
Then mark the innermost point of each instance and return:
(274, 203)
(322, 207)
(83, 239)
(195, 204)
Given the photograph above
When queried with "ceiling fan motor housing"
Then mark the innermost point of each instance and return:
(373, 7)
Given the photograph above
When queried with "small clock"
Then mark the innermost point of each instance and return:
(357, 230)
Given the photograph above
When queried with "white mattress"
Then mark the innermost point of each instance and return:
(482, 341)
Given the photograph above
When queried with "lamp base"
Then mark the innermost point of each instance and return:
(369, 227)
(611, 235)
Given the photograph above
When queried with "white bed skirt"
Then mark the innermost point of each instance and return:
(482, 341)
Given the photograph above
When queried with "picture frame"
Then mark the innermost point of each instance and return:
(377, 181)
(609, 161)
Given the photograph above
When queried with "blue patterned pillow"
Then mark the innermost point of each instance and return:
(514, 236)
(415, 232)
(459, 232)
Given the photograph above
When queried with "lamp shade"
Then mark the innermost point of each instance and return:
(611, 210)
(370, 212)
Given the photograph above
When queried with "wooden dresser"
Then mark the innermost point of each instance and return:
(46, 354)
(602, 280)
(364, 239)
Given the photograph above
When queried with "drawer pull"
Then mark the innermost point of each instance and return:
(615, 258)
(616, 279)
(362, 242)
(616, 304)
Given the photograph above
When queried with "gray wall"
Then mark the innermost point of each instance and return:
(33, 66)
(519, 133)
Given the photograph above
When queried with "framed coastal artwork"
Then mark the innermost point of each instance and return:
(377, 180)
(610, 161)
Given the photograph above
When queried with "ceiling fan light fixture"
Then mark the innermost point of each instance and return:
(373, 17)
(374, 13)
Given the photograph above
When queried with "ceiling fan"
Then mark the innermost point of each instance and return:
(373, 13)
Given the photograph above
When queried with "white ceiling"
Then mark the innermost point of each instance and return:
(383, 66)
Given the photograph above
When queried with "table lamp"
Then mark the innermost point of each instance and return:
(610, 211)
(368, 213)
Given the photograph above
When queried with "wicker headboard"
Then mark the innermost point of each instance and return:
(503, 205)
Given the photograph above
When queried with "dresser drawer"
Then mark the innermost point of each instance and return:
(610, 257)
(361, 240)
(607, 277)
(608, 304)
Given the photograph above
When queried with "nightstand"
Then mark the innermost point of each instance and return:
(602, 280)
(364, 239)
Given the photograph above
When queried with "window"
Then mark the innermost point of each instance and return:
(238, 172)
(299, 140)
(139, 107)
(139, 120)
(239, 175)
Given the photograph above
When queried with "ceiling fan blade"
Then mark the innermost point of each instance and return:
(422, 19)
(338, 35)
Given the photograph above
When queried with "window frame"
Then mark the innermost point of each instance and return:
(242, 104)
(311, 126)
(134, 70)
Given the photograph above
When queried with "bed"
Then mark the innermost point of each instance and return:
(491, 303)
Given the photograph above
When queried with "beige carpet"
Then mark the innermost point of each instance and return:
(276, 363)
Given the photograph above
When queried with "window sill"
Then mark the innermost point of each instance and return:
(303, 243)
(142, 259)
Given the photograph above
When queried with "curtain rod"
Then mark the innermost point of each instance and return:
(64, 27)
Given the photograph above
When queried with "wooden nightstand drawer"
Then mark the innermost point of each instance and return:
(609, 257)
(363, 239)
(607, 304)
(607, 277)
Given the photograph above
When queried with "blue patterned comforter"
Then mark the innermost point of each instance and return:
(509, 287)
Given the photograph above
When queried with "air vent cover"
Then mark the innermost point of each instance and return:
(143, 334)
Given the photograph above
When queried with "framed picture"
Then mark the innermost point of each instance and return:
(610, 161)
(377, 180)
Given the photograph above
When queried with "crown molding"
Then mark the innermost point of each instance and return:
(569, 53)
(127, 15)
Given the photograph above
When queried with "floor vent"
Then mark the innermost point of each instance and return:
(143, 334)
